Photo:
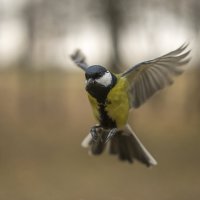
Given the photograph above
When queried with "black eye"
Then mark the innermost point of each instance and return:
(100, 74)
(97, 75)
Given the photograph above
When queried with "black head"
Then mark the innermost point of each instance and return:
(95, 71)
(99, 81)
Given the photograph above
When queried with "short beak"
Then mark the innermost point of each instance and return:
(89, 83)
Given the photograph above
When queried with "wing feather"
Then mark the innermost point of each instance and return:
(79, 59)
(148, 77)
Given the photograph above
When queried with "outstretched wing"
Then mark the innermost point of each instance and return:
(148, 77)
(79, 59)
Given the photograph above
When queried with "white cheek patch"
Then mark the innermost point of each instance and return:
(105, 80)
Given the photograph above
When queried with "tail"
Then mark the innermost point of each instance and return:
(125, 144)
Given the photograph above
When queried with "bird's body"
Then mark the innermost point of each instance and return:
(113, 112)
(112, 96)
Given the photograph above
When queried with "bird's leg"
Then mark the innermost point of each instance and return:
(111, 134)
(94, 131)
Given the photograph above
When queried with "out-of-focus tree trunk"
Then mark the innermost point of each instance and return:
(193, 94)
(26, 60)
(113, 18)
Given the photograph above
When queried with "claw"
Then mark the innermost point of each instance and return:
(94, 131)
(111, 134)
(94, 134)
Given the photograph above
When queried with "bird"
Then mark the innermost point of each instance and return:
(113, 95)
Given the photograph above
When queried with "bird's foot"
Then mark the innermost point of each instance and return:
(111, 134)
(100, 134)
(95, 132)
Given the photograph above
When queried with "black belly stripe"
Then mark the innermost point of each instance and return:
(105, 120)
(100, 92)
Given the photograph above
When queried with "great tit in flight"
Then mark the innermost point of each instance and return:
(113, 95)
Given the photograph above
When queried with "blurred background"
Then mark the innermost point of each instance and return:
(45, 114)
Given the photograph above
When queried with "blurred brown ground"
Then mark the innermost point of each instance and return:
(45, 115)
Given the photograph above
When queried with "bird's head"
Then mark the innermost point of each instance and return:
(99, 81)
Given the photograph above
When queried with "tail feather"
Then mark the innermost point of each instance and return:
(124, 147)
(138, 150)
(113, 148)
(125, 144)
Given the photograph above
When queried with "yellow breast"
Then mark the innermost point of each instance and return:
(95, 107)
(117, 103)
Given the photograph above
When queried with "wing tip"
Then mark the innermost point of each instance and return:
(79, 59)
(77, 54)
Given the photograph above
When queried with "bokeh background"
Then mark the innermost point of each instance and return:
(44, 112)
